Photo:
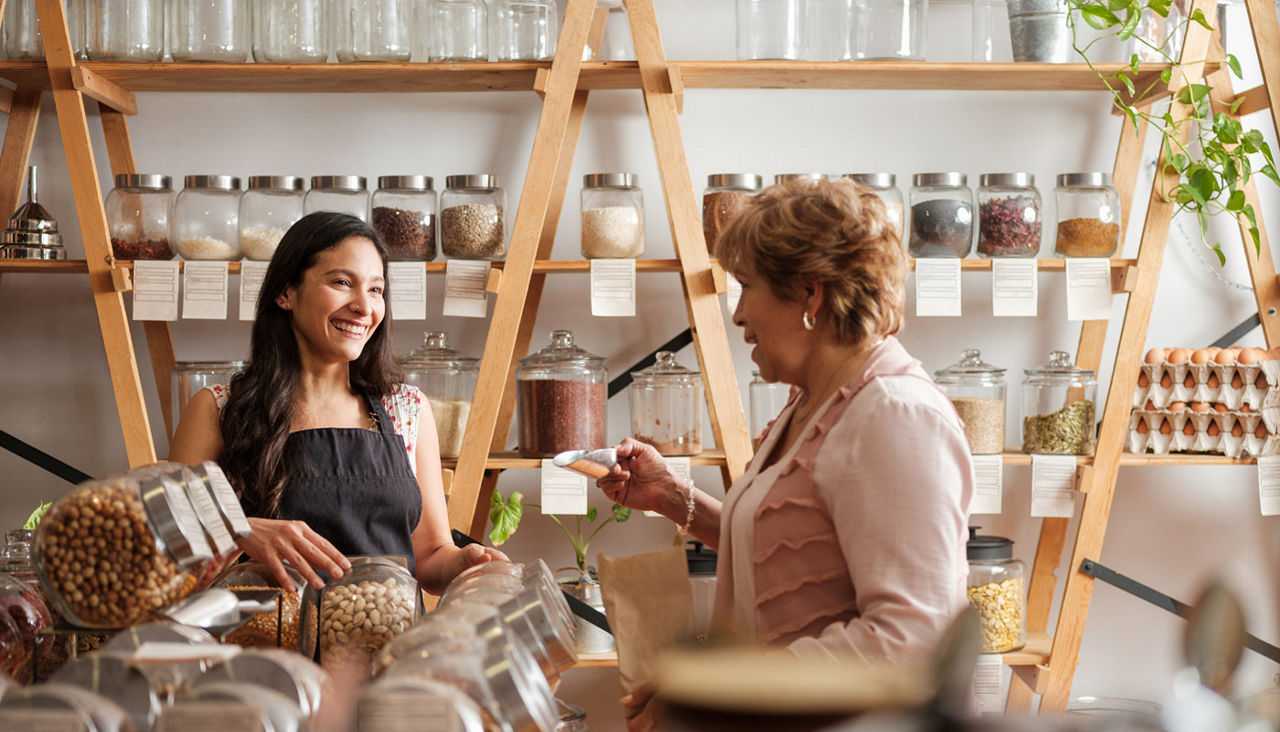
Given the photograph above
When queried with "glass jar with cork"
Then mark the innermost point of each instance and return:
(997, 590)
(137, 211)
(941, 215)
(472, 224)
(612, 216)
(561, 394)
(206, 218)
(1088, 215)
(1058, 413)
(448, 378)
(977, 389)
(885, 186)
(666, 406)
(404, 213)
(726, 196)
(1009, 219)
(346, 194)
(269, 206)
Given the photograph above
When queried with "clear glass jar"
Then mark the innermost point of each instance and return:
(1058, 412)
(79, 708)
(439, 702)
(825, 35)
(269, 206)
(139, 559)
(377, 589)
(1088, 215)
(279, 628)
(702, 583)
(1009, 217)
(457, 30)
(77, 26)
(885, 186)
(890, 29)
(449, 380)
(21, 28)
(138, 216)
(346, 194)
(1158, 39)
(990, 26)
(462, 669)
(527, 29)
(767, 399)
(404, 213)
(472, 223)
(997, 589)
(125, 30)
(769, 29)
(373, 30)
(666, 406)
(561, 394)
(25, 606)
(726, 196)
(612, 216)
(140, 693)
(206, 218)
(291, 31)
(941, 215)
(977, 390)
(13, 651)
(209, 30)
(297, 678)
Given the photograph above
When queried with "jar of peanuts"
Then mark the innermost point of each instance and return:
(997, 590)
(361, 612)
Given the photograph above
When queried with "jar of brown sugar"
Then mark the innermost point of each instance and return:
(1088, 215)
(726, 196)
(560, 399)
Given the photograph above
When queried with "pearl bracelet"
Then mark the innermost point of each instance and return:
(688, 518)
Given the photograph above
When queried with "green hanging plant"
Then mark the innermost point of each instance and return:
(505, 515)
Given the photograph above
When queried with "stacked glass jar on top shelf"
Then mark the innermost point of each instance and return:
(831, 30)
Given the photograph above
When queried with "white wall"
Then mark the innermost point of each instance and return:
(1171, 528)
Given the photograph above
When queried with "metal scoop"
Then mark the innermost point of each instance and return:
(592, 463)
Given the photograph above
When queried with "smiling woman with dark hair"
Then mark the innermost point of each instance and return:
(330, 454)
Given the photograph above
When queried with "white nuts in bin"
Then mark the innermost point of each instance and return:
(357, 620)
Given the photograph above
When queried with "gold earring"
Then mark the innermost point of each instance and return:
(807, 321)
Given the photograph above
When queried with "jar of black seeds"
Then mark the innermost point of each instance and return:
(941, 220)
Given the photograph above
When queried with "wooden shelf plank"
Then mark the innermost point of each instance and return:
(1034, 653)
(902, 75)
(597, 660)
(1015, 456)
(508, 459)
(47, 266)
(1046, 264)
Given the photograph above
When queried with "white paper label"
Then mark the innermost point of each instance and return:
(155, 290)
(465, 293)
(1015, 288)
(207, 510)
(986, 683)
(613, 288)
(564, 492)
(408, 289)
(1053, 478)
(251, 276)
(1088, 289)
(204, 291)
(733, 293)
(1269, 485)
(681, 467)
(988, 484)
(938, 287)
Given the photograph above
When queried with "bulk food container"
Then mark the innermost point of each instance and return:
(561, 394)
(666, 406)
(280, 628)
(124, 30)
(449, 381)
(472, 224)
(206, 218)
(25, 602)
(977, 389)
(1088, 215)
(997, 590)
(766, 398)
(1058, 412)
(403, 211)
(457, 30)
(526, 29)
(941, 215)
(890, 29)
(1009, 217)
(726, 196)
(612, 216)
(358, 613)
(269, 206)
(62, 704)
(769, 29)
(137, 210)
(210, 30)
(342, 193)
(374, 30)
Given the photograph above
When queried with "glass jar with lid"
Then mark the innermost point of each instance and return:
(726, 196)
(1058, 413)
(269, 206)
(278, 628)
(51, 649)
(404, 213)
(209, 30)
(373, 30)
(561, 394)
(997, 590)
(23, 604)
(388, 594)
(291, 31)
(472, 224)
(420, 698)
(138, 216)
(941, 215)
(1009, 219)
(977, 390)
(890, 29)
(13, 652)
(1088, 215)
(457, 30)
(527, 29)
(136, 35)
(612, 216)
(346, 194)
(448, 378)
(885, 186)
(1158, 38)
(21, 29)
(206, 218)
(666, 406)
(769, 29)
(70, 706)
(767, 399)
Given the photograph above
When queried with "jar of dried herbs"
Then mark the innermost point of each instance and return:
(1009, 220)
(1058, 412)
(1088, 215)
(977, 389)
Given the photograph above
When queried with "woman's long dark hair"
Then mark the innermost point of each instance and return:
(256, 420)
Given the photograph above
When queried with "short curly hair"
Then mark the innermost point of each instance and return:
(838, 233)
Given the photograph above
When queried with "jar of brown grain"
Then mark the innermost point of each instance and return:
(977, 389)
(560, 399)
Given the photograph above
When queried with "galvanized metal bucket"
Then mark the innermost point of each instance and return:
(1038, 30)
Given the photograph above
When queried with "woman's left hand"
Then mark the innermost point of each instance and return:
(473, 554)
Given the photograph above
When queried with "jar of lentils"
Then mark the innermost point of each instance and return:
(612, 216)
(941, 215)
(269, 206)
(346, 194)
(206, 218)
(472, 224)
(138, 216)
(561, 394)
(1088, 215)
(726, 196)
(404, 213)
(1009, 218)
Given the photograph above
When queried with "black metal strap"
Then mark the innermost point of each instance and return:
(1234, 335)
(623, 380)
(42, 459)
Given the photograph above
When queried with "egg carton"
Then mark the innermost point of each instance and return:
(1231, 433)
(1256, 385)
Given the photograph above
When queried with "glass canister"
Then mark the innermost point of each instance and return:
(1058, 408)
(561, 394)
(997, 590)
(404, 213)
(27, 605)
(1088, 215)
(206, 218)
(767, 399)
(977, 390)
(26, 608)
(269, 206)
(472, 224)
(890, 29)
(1009, 218)
(448, 378)
(885, 186)
(526, 29)
(209, 30)
(378, 590)
(21, 28)
(666, 406)
(138, 216)
(126, 30)
(457, 30)
(346, 194)
(278, 628)
(189, 377)
(702, 581)
(291, 31)
(825, 33)
(769, 29)
(1158, 39)
(941, 215)
(373, 30)
(990, 31)
(14, 657)
(726, 196)
(612, 216)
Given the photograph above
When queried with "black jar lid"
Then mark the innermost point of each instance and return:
(702, 561)
(987, 547)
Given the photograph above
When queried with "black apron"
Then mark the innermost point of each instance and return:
(354, 487)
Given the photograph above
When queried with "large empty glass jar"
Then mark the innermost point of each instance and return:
(269, 206)
(346, 194)
(290, 31)
(373, 30)
(890, 29)
(526, 29)
(209, 30)
(769, 29)
(448, 378)
(767, 399)
(560, 398)
(825, 35)
(666, 406)
(457, 30)
(21, 30)
(189, 377)
(206, 221)
(124, 30)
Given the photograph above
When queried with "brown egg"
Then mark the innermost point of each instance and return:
(1212, 430)
(1166, 381)
(1261, 381)
(1143, 381)
(1199, 407)
(1212, 382)
(1245, 409)
(1261, 430)
(1201, 356)
(1189, 429)
(1150, 406)
(1226, 356)
(1237, 430)
(1189, 381)
(1179, 355)
(1219, 407)
(1166, 428)
(1142, 427)
(1251, 355)
(1236, 381)
(1156, 355)
(1177, 406)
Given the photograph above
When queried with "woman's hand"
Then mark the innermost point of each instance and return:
(641, 480)
(274, 542)
(640, 710)
(469, 556)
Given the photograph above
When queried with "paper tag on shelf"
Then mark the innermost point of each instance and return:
(987, 676)
(251, 276)
(1053, 480)
(988, 484)
(155, 290)
(613, 288)
(564, 492)
(1088, 289)
(465, 295)
(1269, 485)
(1015, 288)
(938, 287)
(204, 291)
(408, 289)
(733, 293)
(682, 469)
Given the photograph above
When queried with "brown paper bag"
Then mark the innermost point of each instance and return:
(650, 608)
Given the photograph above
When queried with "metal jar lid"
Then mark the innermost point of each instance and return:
(874, 180)
(214, 182)
(1084, 179)
(1017, 180)
(610, 180)
(1059, 364)
(216, 483)
(664, 370)
(406, 182)
(482, 180)
(781, 178)
(950, 178)
(749, 181)
(346, 183)
(211, 367)
(987, 547)
(173, 519)
(277, 182)
(144, 180)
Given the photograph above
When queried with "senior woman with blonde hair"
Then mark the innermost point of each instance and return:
(846, 534)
